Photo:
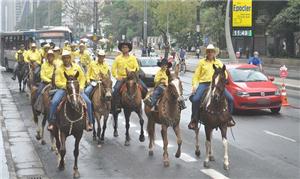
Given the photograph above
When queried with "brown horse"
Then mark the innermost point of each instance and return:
(22, 73)
(214, 114)
(168, 114)
(131, 101)
(101, 99)
(70, 120)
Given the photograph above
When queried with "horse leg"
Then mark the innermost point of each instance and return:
(211, 156)
(127, 117)
(76, 173)
(38, 125)
(164, 130)
(208, 131)
(151, 134)
(197, 151)
(99, 130)
(104, 127)
(43, 129)
(225, 144)
(20, 84)
(53, 144)
(56, 135)
(142, 137)
(62, 151)
(179, 140)
(115, 116)
(94, 130)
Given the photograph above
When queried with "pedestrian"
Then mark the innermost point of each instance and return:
(255, 60)
(198, 53)
(201, 81)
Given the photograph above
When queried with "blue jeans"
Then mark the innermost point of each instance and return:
(196, 99)
(60, 93)
(88, 90)
(117, 87)
(156, 93)
(40, 88)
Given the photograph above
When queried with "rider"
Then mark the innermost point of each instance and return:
(44, 50)
(255, 60)
(182, 54)
(73, 51)
(33, 55)
(201, 81)
(124, 62)
(84, 56)
(22, 51)
(95, 69)
(57, 57)
(67, 46)
(60, 81)
(47, 71)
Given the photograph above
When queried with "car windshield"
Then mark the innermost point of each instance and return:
(247, 75)
(148, 62)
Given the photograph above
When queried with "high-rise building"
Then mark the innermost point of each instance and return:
(8, 15)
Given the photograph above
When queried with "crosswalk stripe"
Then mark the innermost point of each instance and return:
(214, 174)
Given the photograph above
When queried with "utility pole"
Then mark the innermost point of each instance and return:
(49, 12)
(198, 26)
(228, 34)
(95, 24)
(145, 27)
(34, 14)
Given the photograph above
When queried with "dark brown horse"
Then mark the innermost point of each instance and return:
(101, 99)
(168, 114)
(214, 114)
(22, 73)
(131, 101)
(71, 119)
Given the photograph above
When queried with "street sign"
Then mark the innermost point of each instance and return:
(283, 72)
(242, 13)
(242, 33)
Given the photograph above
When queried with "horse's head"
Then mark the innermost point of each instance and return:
(72, 89)
(131, 81)
(107, 85)
(175, 88)
(218, 83)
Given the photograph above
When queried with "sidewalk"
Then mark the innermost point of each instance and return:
(21, 160)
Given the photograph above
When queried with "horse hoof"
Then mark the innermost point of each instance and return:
(142, 138)
(38, 137)
(226, 167)
(177, 155)
(166, 163)
(127, 143)
(43, 142)
(99, 145)
(151, 152)
(76, 174)
(61, 167)
(116, 133)
(197, 153)
(206, 164)
(101, 141)
(211, 158)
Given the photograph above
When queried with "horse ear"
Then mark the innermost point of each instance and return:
(66, 76)
(77, 74)
(224, 67)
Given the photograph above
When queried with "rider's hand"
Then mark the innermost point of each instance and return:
(193, 90)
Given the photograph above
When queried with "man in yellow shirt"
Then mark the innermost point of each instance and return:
(33, 55)
(21, 51)
(60, 81)
(201, 81)
(94, 70)
(122, 63)
(47, 71)
(84, 56)
(44, 50)
(57, 57)
(67, 46)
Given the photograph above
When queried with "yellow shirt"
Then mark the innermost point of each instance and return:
(122, 63)
(161, 75)
(57, 61)
(33, 57)
(60, 79)
(47, 72)
(95, 69)
(43, 52)
(84, 57)
(16, 55)
(205, 71)
(67, 47)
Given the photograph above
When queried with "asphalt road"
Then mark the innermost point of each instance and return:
(265, 146)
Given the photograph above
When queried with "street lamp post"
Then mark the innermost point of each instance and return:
(198, 25)
(145, 28)
(95, 24)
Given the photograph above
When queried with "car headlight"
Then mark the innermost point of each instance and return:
(277, 92)
(242, 94)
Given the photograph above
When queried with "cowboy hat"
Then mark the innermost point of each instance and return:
(19, 51)
(66, 53)
(33, 45)
(101, 52)
(210, 47)
(50, 52)
(164, 62)
(125, 43)
(56, 49)
(47, 45)
(66, 42)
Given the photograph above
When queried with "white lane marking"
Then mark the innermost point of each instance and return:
(131, 124)
(214, 174)
(277, 135)
(187, 158)
(161, 143)
(138, 132)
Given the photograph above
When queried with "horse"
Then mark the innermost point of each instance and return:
(131, 101)
(71, 120)
(22, 73)
(214, 113)
(101, 100)
(168, 114)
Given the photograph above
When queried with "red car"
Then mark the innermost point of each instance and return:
(251, 89)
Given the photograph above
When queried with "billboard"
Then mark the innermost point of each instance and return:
(242, 13)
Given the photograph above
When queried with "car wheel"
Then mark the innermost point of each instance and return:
(275, 110)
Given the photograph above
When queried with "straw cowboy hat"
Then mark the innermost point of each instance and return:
(212, 47)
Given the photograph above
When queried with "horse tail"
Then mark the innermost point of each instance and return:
(151, 129)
